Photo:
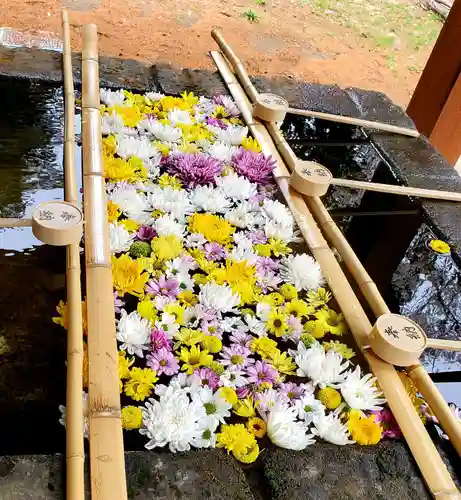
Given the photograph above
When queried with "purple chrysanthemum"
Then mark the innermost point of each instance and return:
(236, 356)
(258, 236)
(145, 233)
(262, 372)
(118, 303)
(215, 122)
(254, 166)
(241, 338)
(390, 426)
(159, 340)
(265, 265)
(194, 169)
(291, 391)
(163, 286)
(163, 361)
(214, 251)
(208, 378)
(243, 392)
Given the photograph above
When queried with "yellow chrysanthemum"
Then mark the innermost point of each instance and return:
(217, 367)
(330, 397)
(163, 148)
(279, 248)
(318, 298)
(283, 363)
(86, 366)
(131, 417)
(194, 132)
(130, 225)
(235, 438)
(288, 291)
(244, 408)
(257, 427)
(177, 311)
(189, 99)
(241, 277)
(194, 358)
(228, 394)
(146, 309)
(200, 279)
(127, 276)
(141, 383)
(248, 456)
(188, 336)
(166, 247)
(220, 112)
(149, 264)
(188, 298)
(262, 250)
(439, 246)
(334, 323)
(167, 180)
(188, 147)
(276, 323)
(109, 145)
(316, 328)
(211, 344)
(264, 346)
(117, 169)
(113, 211)
(334, 345)
(130, 115)
(212, 227)
(251, 144)
(63, 317)
(364, 430)
(124, 365)
(298, 308)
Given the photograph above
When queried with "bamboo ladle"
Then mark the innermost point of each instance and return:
(273, 108)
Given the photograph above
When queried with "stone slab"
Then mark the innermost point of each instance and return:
(197, 475)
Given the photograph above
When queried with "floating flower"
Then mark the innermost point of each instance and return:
(359, 392)
(216, 407)
(208, 378)
(131, 417)
(236, 356)
(159, 340)
(194, 358)
(141, 383)
(127, 276)
(210, 200)
(166, 247)
(163, 286)
(218, 298)
(343, 349)
(308, 406)
(331, 321)
(302, 271)
(276, 323)
(318, 298)
(163, 361)
(140, 148)
(237, 439)
(145, 233)
(254, 166)
(212, 227)
(133, 332)
(390, 427)
(119, 238)
(261, 372)
(257, 427)
(112, 97)
(364, 430)
(233, 134)
(194, 169)
(331, 429)
(439, 246)
(329, 397)
(236, 187)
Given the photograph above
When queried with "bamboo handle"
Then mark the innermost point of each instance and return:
(385, 127)
(446, 345)
(12, 222)
(400, 190)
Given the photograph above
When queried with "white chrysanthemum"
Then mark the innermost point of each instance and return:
(133, 204)
(360, 393)
(219, 298)
(173, 201)
(216, 407)
(205, 105)
(236, 187)
(243, 216)
(268, 400)
(133, 332)
(207, 437)
(173, 420)
(181, 265)
(63, 411)
(241, 254)
(141, 148)
(277, 212)
(302, 271)
(111, 124)
(233, 134)
(112, 97)
(263, 310)
(120, 239)
(210, 200)
(168, 324)
(177, 116)
(331, 429)
(195, 240)
(164, 133)
(323, 368)
(283, 233)
(255, 326)
(308, 406)
(154, 96)
(152, 165)
(221, 151)
(230, 105)
(166, 226)
(285, 431)
(233, 379)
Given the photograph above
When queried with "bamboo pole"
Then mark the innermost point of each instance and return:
(9, 222)
(75, 452)
(447, 345)
(399, 190)
(429, 461)
(107, 461)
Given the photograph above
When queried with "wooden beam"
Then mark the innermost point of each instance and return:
(446, 135)
(439, 75)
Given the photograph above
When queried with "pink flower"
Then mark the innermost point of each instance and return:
(145, 233)
(236, 356)
(254, 166)
(265, 265)
(166, 287)
(241, 338)
(208, 378)
(118, 303)
(159, 340)
(195, 169)
(163, 361)
(243, 392)
(215, 122)
(258, 236)
(261, 373)
(214, 251)
(291, 391)
(390, 426)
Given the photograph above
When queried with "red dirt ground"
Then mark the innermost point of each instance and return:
(289, 40)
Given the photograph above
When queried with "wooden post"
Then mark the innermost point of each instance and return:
(440, 74)
(75, 453)
(431, 465)
(107, 461)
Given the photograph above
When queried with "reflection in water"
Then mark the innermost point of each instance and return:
(32, 348)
